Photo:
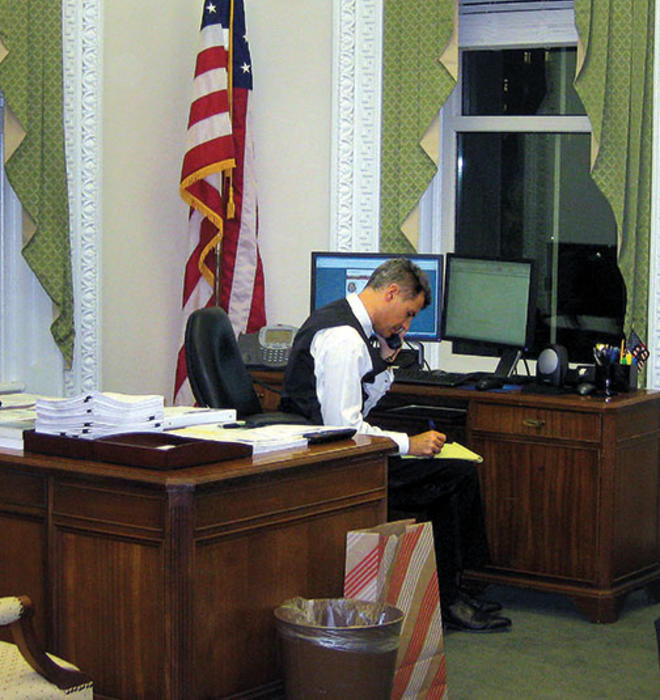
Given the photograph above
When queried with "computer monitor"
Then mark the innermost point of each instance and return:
(490, 301)
(335, 275)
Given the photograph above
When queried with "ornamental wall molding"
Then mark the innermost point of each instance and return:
(82, 66)
(356, 116)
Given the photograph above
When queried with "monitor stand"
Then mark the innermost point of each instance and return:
(507, 364)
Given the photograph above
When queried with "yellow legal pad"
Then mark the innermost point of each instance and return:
(453, 450)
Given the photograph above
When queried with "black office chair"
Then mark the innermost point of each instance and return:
(218, 377)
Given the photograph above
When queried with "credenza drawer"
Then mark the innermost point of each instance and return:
(536, 422)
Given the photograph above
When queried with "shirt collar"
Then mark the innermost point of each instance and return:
(358, 308)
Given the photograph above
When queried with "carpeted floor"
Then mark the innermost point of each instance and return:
(552, 651)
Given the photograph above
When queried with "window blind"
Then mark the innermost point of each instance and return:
(473, 7)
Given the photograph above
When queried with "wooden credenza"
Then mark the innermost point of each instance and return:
(162, 584)
(571, 485)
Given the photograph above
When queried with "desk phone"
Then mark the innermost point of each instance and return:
(268, 347)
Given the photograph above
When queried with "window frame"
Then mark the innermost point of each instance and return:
(498, 30)
(503, 30)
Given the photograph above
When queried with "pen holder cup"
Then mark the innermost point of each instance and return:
(623, 377)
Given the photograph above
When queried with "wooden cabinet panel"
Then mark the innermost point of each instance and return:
(22, 565)
(278, 497)
(531, 421)
(541, 506)
(255, 572)
(635, 540)
(19, 489)
(110, 612)
(109, 508)
(269, 399)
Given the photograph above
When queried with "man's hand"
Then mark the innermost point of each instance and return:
(426, 444)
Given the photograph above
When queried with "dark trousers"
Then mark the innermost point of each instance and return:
(446, 493)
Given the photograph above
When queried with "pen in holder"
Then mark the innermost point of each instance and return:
(606, 357)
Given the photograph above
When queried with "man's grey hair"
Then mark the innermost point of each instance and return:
(406, 274)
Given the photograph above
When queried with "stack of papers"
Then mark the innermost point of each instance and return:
(17, 413)
(98, 414)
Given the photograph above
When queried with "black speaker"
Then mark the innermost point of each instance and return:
(551, 365)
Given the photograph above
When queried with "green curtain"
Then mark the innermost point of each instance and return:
(415, 85)
(31, 80)
(615, 82)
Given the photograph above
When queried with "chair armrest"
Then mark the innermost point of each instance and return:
(11, 610)
(26, 640)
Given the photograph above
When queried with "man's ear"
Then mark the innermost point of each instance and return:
(392, 291)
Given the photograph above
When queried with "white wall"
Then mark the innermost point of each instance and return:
(148, 62)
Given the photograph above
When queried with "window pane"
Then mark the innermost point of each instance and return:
(520, 82)
(530, 195)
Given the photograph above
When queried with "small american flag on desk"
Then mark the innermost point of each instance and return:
(638, 350)
(218, 182)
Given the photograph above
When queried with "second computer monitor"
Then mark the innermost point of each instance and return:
(335, 275)
(490, 301)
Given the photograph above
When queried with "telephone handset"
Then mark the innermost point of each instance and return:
(394, 341)
(268, 347)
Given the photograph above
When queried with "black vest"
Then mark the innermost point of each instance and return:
(299, 390)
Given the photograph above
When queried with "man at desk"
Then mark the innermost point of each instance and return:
(339, 368)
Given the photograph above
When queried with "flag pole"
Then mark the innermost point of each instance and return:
(216, 279)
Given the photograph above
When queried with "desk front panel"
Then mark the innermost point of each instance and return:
(164, 586)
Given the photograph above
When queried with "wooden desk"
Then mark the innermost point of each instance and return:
(162, 584)
(571, 485)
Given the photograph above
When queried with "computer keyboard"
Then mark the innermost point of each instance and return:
(435, 377)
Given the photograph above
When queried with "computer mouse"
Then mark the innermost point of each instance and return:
(489, 383)
(585, 388)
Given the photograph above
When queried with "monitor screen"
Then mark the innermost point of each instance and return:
(335, 275)
(491, 301)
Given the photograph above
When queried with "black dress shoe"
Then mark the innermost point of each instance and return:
(463, 616)
(482, 604)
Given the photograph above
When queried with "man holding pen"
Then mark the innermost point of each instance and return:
(339, 368)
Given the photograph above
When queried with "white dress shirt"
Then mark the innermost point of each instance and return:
(341, 359)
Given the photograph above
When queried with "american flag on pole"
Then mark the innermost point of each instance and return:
(218, 182)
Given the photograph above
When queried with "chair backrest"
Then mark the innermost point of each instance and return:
(218, 377)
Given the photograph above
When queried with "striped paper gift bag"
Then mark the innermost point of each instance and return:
(395, 563)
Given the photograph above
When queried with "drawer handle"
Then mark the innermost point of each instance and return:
(533, 422)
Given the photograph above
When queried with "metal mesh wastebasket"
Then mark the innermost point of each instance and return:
(338, 648)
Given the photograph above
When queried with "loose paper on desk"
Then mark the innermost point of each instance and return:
(186, 416)
(454, 450)
(263, 439)
(18, 400)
